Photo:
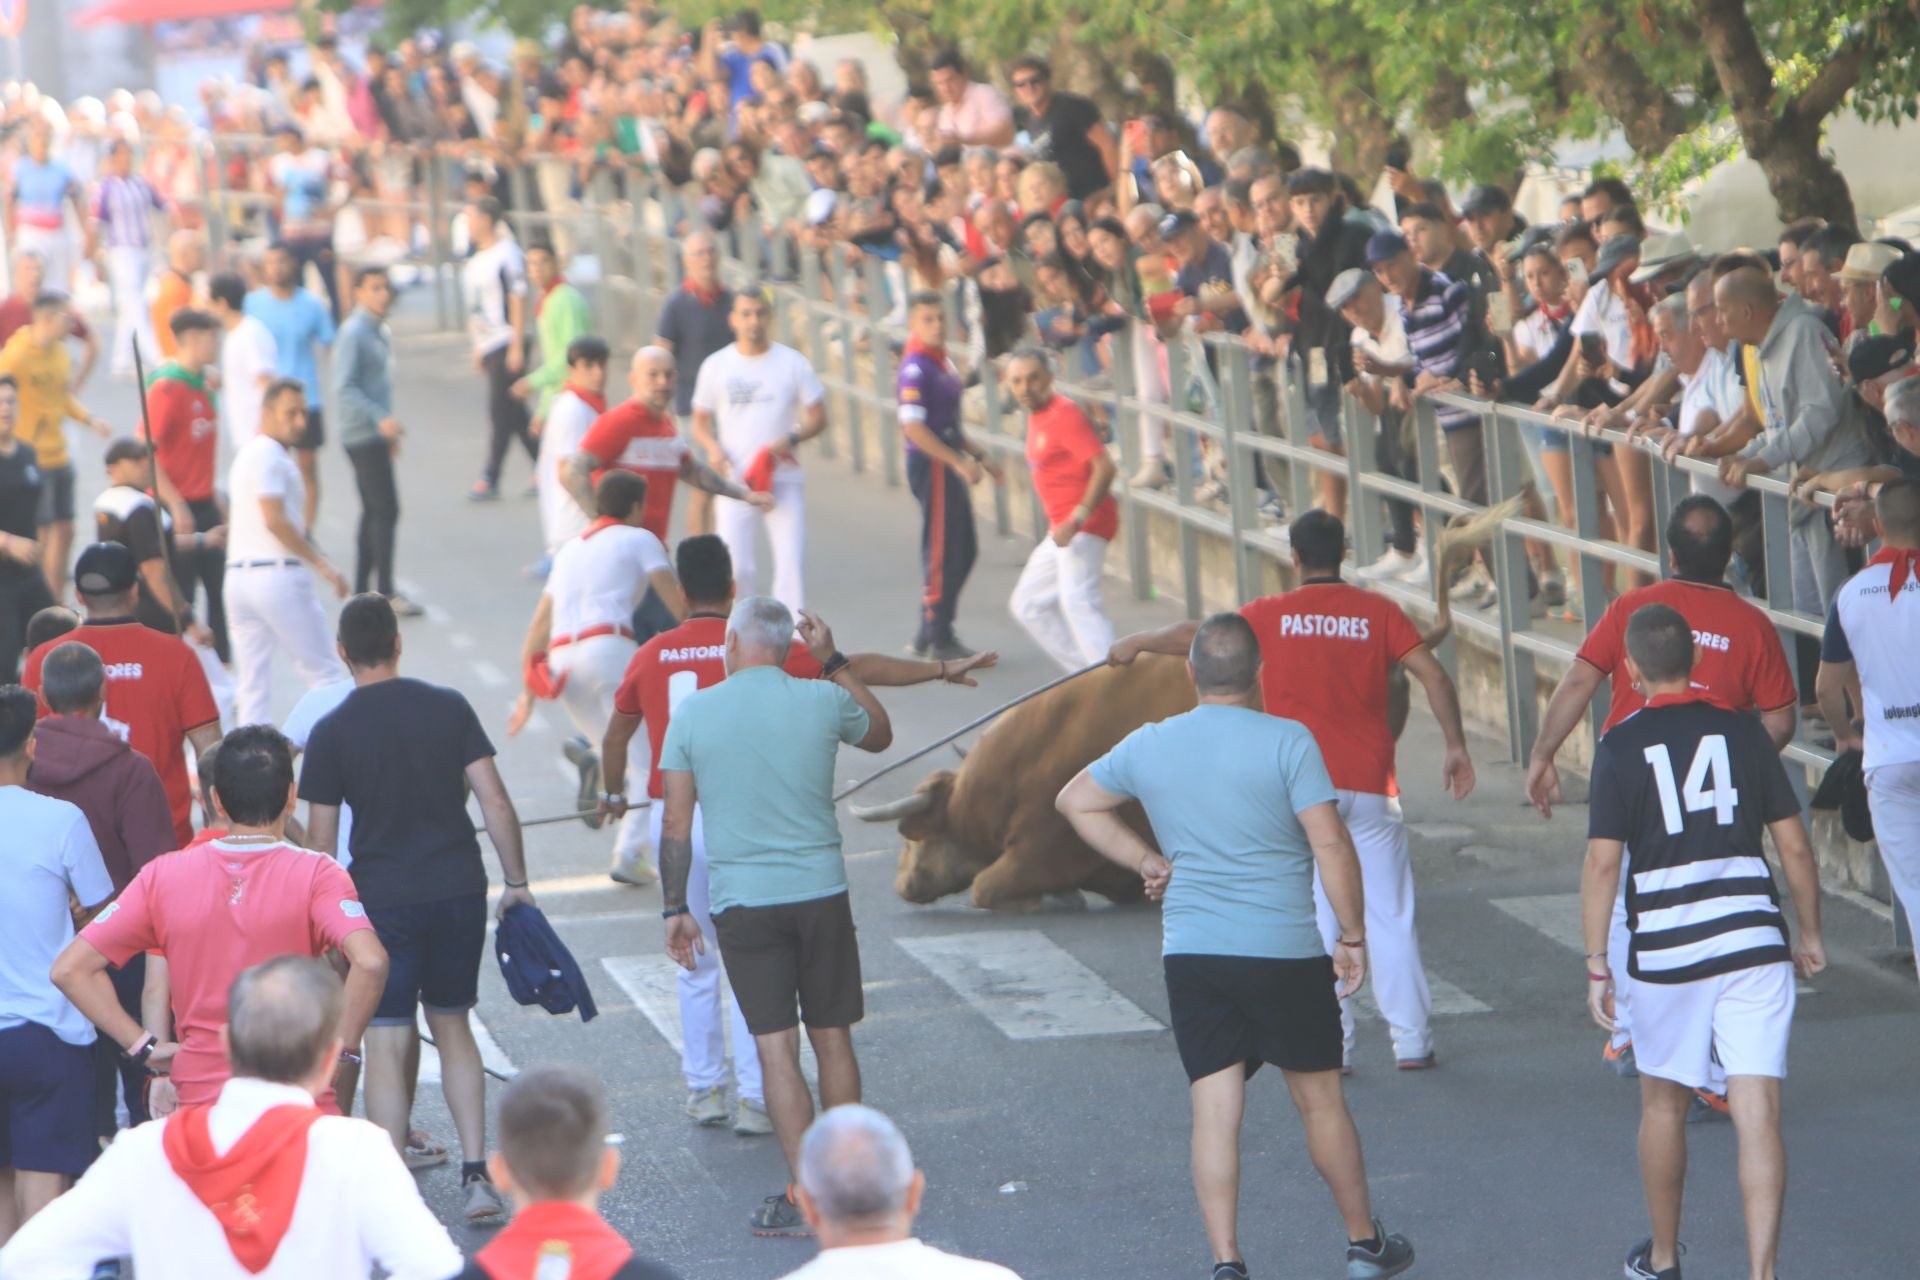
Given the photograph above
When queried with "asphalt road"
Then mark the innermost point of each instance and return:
(1026, 1056)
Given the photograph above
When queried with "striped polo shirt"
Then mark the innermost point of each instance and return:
(1437, 324)
(124, 208)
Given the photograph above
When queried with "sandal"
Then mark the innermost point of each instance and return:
(422, 1151)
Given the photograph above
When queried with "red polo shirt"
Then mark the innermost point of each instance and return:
(634, 438)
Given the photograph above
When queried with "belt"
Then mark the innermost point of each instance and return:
(288, 563)
(590, 633)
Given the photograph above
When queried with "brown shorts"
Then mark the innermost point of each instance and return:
(802, 953)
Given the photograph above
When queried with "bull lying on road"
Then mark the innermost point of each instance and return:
(991, 826)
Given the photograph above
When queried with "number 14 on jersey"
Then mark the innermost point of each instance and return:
(1709, 783)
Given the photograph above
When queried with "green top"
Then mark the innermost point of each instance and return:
(761, 747)
(178, 372)
(560, 317)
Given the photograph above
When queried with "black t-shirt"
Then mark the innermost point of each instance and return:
(129, 517)
(397, 751)
(1060, 135)
(1690, 788)
(19, 503)
(696, 329)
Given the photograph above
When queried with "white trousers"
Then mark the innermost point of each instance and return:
(1150, 385)
(1058, 600)
(269, 609)
(702, 990)
(1394, 970)
(55, 247)
(739, 527)
(593, 670)
(127, 270)
(1893, 795)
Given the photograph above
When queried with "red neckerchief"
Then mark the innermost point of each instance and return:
(1905, 562)
(1693, 694)
(595, 400)
(917, 347)
(1556, 314)
(704, 297)
(545, 293)
(604, 522)
(253, 1188)
(593, 1250)
(208, 836)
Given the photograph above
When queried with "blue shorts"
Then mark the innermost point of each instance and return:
(46, 1103)
(433, 956)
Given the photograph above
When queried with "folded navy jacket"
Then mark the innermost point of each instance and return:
(537, 965)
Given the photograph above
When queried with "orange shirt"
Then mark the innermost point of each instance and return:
(174, 292)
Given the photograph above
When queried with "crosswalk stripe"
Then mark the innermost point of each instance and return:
(1026, 985)
(1557, 915)
(651, 983)
(1448, 1001)
(491, 1054)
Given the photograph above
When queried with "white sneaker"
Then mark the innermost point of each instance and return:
(750, 1119)
(1391, 566)
(638, 873)
(1418, 572)
(1151, 475)
(707, 1106)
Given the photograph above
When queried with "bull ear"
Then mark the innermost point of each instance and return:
(938, 789)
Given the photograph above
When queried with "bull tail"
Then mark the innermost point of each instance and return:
(1453, 551)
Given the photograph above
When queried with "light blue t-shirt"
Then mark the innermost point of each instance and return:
(41, 188)
(1222, 787)
(298, 324)
(51, 853)
(761, 746)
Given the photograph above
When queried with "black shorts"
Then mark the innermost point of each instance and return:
(1251, 1010)
(433, 956)
(316, 433)
(802, 953)
(46, 1103)
(56, 494)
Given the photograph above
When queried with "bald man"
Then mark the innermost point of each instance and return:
(186, 254)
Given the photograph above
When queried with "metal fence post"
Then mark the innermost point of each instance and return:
(1360, 430)
(444, 301)
(1180, 442)
(1426, 446)
(1511, 578)
(880, 355)
(1126, 430)
(849, 353)
(1298, 425)
(599, 196)
(996, 428)
(1591, 582)
(1243, 502)
(812, 281)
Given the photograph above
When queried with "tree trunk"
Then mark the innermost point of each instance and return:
(1362, 132)
(1649, 116)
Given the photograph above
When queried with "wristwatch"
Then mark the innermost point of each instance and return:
(834, 665)
(139, 1054)
(670, 912)
(613, 797)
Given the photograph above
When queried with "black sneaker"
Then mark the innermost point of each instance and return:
(949, 650)
(1230, 1271)
(1640, 1263)
(1391, 1258)
(581, 755)
(778, 1216)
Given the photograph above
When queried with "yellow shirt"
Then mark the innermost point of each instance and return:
(1750, 358)
(46, 400)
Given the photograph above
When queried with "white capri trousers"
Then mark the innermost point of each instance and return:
(1398, 978)
(127, 270)
(739, 525)
(1893, 795)
(593, 669)
(276, 608)
(1150, 385)
(702, 990)
(1057, 600)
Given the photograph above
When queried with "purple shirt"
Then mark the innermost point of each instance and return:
(928, 388)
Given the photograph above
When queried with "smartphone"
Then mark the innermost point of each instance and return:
(1500, 313)
(1593, 348)
(1576, 270)
(1399, 156)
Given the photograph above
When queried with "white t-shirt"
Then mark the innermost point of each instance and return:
(247, 353)
(315, 703)
(1604, 312)
(900, 1260)
(1714, 385)
(491, 276)
(1878, 636)
(568, 419)
(755, 400)
(52, 853)
(597, 581)
(264, 468)
(1534, 333)
(1391, 346)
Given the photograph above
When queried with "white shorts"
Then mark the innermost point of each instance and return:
(1739, 1020)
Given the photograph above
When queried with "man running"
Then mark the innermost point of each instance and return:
(1057, 598)
(754, 404)
(495, 284)
(582, 630)
(941, 464)
(302, 327)
(1741, 666)
(667, 668)
(1247, 819)
(1682, 791)
(1326, 651)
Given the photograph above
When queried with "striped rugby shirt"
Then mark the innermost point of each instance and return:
(1690, 787)
(1441, 334)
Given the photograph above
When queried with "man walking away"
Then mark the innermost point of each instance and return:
(248, 358)
(323, 1196)
(555, 1163)
(404, 753)
(80, 760)
(860, 1193)
(123, 209)
(757, 752)
(302, 326)
(363, 397)
(1245, 814)
(1683, 791)
(46, 1081)
(1872, 633)
(1057, 598)
(495, 283)
(186, 446)
(941, 464)
(125, 512)
(274, 604)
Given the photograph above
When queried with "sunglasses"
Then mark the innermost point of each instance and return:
(1027, 83)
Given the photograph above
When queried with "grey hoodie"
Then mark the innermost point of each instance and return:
(1808, 417)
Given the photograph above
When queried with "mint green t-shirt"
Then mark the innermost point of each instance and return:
(1222, 787)
(761, 746)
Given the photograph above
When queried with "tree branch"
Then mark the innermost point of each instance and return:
(1834, 81)
(1742, 69)
(1649, 116)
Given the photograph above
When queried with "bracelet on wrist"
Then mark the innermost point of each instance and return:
(1354, 942)
(834, 665)
(668, 913)
(513, 884)
(1598, 977)
(348, 1055)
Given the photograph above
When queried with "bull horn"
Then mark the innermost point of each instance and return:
(960, 751)
(894, 810)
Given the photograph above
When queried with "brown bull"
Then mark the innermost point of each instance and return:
(991, 825)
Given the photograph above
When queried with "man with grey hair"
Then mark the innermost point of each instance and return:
(222, 1190)
(757, 752)
(860, 1193)
(695, 322)
(1244, 812)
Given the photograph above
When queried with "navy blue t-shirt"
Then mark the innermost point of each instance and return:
(696, 329)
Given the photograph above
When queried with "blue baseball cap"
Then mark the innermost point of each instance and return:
(1384, 246)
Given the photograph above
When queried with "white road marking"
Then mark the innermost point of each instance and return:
(435, 614)
(1027, 986)
(461, 640)
(1557, 915)
(650, 982)
(491, 1054)
(1448, 1001)
(489, 674)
